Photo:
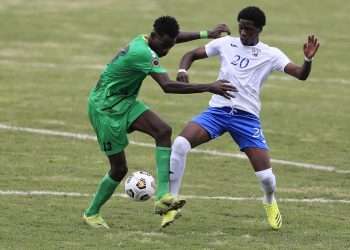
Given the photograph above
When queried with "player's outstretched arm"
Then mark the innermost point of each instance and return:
(169, 86)
(217, 32)
(186, 62)
(310, 49)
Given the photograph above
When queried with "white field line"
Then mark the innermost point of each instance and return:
(194, 197)
(210, 73)
(198, 151)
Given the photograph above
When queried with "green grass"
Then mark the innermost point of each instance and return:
(233, 226)
(51, 54)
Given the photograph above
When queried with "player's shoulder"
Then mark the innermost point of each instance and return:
(269, 49)
(138, 47)
(139, 44)
(222, 42)
(225, 39)
(266, 46)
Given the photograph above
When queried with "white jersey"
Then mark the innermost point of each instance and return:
(246, 67)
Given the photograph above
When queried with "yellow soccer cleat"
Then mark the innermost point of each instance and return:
(274, 216)
(170, 217)
(95, 221)
(167, 203)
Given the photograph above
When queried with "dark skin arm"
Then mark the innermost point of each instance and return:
(170, 86)
(214, 33)
(187, 61)
(302, 72)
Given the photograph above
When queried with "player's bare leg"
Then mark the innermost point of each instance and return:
(105, 189)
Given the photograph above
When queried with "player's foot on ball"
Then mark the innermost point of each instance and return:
(274, 216)
(95, 221)
(169, 217)
(167, 203)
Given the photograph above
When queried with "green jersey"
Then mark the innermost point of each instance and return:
(120, 82)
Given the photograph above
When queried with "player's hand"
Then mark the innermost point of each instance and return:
(311, 46)
(218, 31)
(182, 77)
(221, 87)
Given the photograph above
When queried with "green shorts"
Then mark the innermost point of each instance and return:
(112, 128)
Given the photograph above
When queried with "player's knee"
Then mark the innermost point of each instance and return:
(181, 146)
(267, 179)
(179, 150)
(118, 173)
(164, 132)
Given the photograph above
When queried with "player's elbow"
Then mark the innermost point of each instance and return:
(190, 56)
(166, 87)
(303, 77)
(303, 74)
(167, 91)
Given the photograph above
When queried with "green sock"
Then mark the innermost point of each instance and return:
(163, 166)
(104, 191)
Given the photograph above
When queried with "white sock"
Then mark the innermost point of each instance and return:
(268, 184)
(179, 151)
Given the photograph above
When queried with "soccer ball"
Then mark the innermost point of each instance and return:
(140, 186)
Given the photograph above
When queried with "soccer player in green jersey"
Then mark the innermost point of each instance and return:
(114, 111)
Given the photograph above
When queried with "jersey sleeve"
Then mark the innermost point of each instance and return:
(280, 60)
(147, 62)
(213, 47)
(155, 65)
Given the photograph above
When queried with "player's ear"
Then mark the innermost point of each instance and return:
(154, 34)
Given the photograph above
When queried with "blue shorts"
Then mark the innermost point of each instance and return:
(244, 127)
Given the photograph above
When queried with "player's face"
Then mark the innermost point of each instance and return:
(161, 44)
(249, 34)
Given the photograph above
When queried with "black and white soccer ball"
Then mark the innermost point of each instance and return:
(140, 186)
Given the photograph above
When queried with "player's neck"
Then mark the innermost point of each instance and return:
(250, 43)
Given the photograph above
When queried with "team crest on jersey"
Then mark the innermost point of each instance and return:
(255, 51)
(155, 61)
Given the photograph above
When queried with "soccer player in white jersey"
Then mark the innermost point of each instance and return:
(246, 62)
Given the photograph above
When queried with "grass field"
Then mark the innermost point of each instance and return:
(51, 54)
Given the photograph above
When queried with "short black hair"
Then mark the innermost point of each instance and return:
(166, 25)
(254, 14)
